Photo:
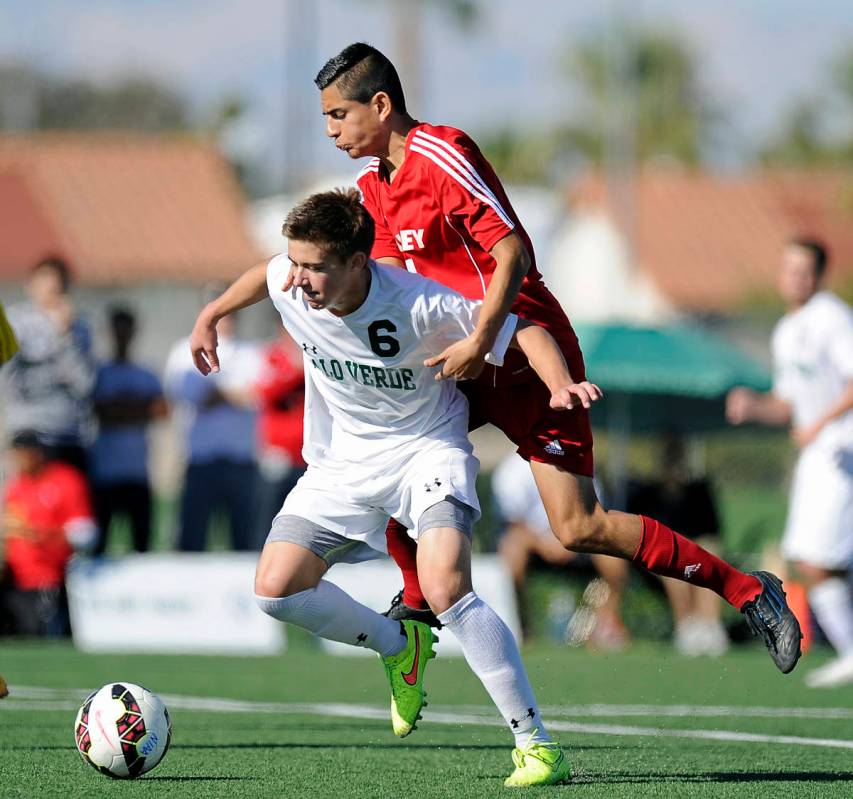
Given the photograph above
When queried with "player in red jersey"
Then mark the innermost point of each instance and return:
(440, 210)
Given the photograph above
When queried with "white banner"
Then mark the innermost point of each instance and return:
(178, 603)
(375, 582)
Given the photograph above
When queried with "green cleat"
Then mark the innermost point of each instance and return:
(405, 672)
(539, 764)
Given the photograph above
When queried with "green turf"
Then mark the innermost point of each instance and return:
(216, 754)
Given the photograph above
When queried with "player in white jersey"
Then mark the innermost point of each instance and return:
(386, 436)
(813, 392)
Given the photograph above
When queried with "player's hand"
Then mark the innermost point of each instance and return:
(803, 436)
(462, 360)
(290, 279)
(203, 344)
(739, 404)
(576, 394)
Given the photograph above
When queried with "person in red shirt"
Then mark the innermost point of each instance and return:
(440, 210)
(47, 516)
(281, 401)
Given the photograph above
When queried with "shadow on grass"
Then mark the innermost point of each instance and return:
(167, 778)
(713, 777)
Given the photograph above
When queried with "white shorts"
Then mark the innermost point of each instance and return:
(360, 509)
(819, 529)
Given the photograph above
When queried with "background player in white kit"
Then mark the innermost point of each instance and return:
(384, 437)
(813, 392)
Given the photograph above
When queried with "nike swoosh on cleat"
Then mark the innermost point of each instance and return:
(411, 676)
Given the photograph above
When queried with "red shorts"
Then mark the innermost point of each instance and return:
(541, 434)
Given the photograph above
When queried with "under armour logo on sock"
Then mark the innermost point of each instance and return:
(361, 638)
(531, 713)
(690, 570)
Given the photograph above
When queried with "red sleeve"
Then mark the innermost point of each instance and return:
(279, 377)
(75, 496)
(384, 245)
(466, 187)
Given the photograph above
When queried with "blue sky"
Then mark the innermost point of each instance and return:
(756, 56)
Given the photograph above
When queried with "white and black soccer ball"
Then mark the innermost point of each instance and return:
(122, 730)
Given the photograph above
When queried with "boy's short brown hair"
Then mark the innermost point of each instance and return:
(334, 220)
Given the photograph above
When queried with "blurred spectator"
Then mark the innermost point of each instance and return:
(127, 398)
(220, 417)
(281, 393)
(49, 383)
(688, 505)
(528, 536)
(8, 342)
(813, 392)
(46, 518)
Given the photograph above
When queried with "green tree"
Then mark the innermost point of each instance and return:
(806, 139)
(131, 104)
(656, 76)
(33, 100)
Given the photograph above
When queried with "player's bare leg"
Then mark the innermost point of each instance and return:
(288, 587)
(581, 524)
(444, 569)
(830, 600)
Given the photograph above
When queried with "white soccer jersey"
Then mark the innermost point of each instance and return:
(813, 363)
(369, 398)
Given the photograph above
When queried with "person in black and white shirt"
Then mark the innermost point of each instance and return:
(385, 436)
(813, 392)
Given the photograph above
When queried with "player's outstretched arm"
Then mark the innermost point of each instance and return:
(745, 405)
(246, 290)
(464, 359)
(548, 362)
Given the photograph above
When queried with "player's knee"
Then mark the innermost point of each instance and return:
(274, 584)
(442, 594)
(583, 532)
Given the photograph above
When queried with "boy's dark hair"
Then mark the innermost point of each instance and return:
(818, 251)
(334, 220)
(59, 266)
(361, 71)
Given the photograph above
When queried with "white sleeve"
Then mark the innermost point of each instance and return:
(447, 317)
(781, 381)
(840, 345)
(277, 270)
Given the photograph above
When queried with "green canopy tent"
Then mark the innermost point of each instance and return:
(656, 379)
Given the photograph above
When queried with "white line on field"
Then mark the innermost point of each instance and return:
(65, 699)
(589, 711)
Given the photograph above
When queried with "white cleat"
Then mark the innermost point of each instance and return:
(830, 675)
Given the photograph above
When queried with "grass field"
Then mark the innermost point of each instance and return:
(642, 723)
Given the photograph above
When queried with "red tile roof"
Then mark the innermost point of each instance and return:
(121, 208)
(709, 242)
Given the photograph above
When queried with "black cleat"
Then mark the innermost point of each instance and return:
(399, 610)
(769, 616)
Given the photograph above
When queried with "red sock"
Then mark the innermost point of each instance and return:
(405, 552)
(665, 552)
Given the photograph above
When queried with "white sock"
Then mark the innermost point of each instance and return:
(833, 608)
(493, 656)
(331, 613)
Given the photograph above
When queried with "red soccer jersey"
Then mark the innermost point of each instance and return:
(46, 503)
(442, 214)
(281, 389)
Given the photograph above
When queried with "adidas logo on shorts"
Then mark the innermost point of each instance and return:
(554, 448)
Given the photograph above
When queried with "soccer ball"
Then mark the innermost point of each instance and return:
(122, 730)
